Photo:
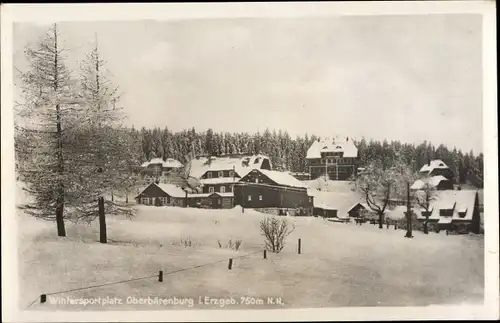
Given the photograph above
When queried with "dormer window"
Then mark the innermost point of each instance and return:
(338, 147)
(209, 174)
(231, 174)
(441, 164)
(221, 174)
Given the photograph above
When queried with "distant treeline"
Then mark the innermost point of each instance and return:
(287, 153)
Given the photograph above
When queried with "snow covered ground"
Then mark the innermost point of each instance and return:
(341, 264)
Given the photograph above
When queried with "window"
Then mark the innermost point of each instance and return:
(223, 189)
(221, 174)
(144, 200)
(260, 197)
(256, 179)
(211, 189)
(249, 198)
(310, 200)
(231, 174)
(209, 174)
(163, 200)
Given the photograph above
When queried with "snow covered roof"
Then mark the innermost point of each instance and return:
(434, 181)
(241, 165)
(340, 201)
(436, 163)
(332, 145)
(219, 180)
(172, 190)
(169, 163)
(458, 201)
(227, 194)
(282, 178)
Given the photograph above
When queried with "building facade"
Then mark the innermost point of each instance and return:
(335, 158)
(272, 189)
(157, 168)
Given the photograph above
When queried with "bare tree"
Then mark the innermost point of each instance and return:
(275, 231)
(424, 197)
(44, 118)
(379, 183)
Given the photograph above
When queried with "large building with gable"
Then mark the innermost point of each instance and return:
(335, 157)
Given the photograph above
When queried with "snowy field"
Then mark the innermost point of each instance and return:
(341, 264)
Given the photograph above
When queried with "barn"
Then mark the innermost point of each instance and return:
(160, 194)
(262, 188)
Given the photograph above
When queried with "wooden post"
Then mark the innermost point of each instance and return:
(43, 298)
(230, 265)
(160, 276)
(299, 249)
(265, 254)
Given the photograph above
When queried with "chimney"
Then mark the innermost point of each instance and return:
(428, 162)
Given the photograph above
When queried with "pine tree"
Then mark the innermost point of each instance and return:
(45, 117)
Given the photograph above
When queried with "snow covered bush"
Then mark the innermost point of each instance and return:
(275, 231)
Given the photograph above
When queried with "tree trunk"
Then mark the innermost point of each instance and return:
(186, 200)
(102, 221)
(61, 230)
(126, 197)
(426, 222)
(380, 220)
(408, 213)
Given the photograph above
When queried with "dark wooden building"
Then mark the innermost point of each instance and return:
(160, 194)
(272, 189)
(211, 200)
(435, 168)
(336, 158)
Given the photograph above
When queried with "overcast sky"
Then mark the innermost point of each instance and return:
(411, 78)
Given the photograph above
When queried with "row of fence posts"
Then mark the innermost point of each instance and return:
(43, 297)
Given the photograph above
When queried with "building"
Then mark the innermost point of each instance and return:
(211, 200)
(358, 210)
(219, 174)
(437, 167)
(438, 182)
(456, 210)
(333, 157)
(262, 188)
(301, 176)
(157, 168)
(160, 194)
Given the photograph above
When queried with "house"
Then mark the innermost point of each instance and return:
(358, 210)
(438, 182)
(336, 158)
(325, 211)
(262, 188)
(456, 210)
(437, 167)
(211, 200)
(160, 194)
(157, 168)
(219, 174)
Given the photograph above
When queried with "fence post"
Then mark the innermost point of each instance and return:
(160, 276)
(230, 265)
(299, 249)
(265, 254)
(43, 298)
(395, 227)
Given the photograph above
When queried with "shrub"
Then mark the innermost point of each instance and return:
(275, 231)
(187, 242)
(230, 245)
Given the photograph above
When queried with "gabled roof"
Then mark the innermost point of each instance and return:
(433, 181)
(332, 145)
(241, 165)
(436, 163)
(282, 178)
(458, 201)
(170, 163)
(171, 189)
(340, 201)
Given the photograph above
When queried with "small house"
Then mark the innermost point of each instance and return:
(437, 167)
(438, 182)
(161, 194)
(358, 210)
(211, 200)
